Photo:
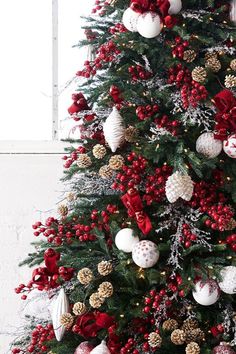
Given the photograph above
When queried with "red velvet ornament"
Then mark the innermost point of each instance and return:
(79, 104)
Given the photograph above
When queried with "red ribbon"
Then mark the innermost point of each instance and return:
(89, 324)
(79, 104)
(141, 6)
(163, 6)
(133, 203)
(225, 118)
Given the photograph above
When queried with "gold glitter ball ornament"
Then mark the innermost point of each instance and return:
(233, 64)
(85, 276)
(131, 134)
(195, 335)
(62, 210)
(99, 151)
(189, 324)
(105, 172)
(79, 308)
(178, 337)
(105, 289)
(96, 300)
(170, 325)
(84, 161)
(116, 162)
(230, 81)
(154, 340)
(105, 268)
(192, 348)
(214, 64)
(199, 74)
(67, 320)
(189, 56)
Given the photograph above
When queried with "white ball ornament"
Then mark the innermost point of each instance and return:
(207, 145)
(175, 7)
(149, 24)
(84, 348)
(125, 240)
(101, 349)
(130, 19)
(145, 254)
(59, 307)
(114, 130)
(229, 146)
(228, 283)
(206, 293)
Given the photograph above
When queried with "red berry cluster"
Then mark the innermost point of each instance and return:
(217, 330)
(148, 111)
(73, 156)
(174, 283)
(155, 185)
(129, 347)
(90, 34)
(220, 217)
(105, 54)
(187, 236)
(179, 48)
(165, 122)
(155, 299)
(131, 174)
(99, 7)
(231, 241)
(139, 72)
(39, 336)
(118, 28)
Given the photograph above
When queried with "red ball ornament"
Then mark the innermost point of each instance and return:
(223, 348)
(84, 348)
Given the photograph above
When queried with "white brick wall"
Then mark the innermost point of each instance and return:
(29, 190)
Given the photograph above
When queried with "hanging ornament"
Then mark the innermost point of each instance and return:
(228, 283)
(149, 24)
(59, 308)
(233, 11)
(125, 240)
(145, 254)
(179, 185)
(101, 349)
(175, 7)
(207, 292)
(207, 145)
(84, 348)
(130, 19)
(223, 348)
(114, 130)
(229, 146)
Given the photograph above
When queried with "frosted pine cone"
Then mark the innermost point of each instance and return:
(62, 210)
(79, 308)
(178, 186)
(213, 64)
(178, 337)
(189, 325)
(105, 289)
(71, 197)
(131, 134)
(170, 325)
(233, 64)
(194, 335)
(210, 55)
(192, 348)
(230, 81)
(84, 161)
(67, 320)
(85, 276)
(99, 151)
(105, 172)
(154, 340)
(189, 55)
(105, 268)
(199, 74)
(96, 300)
(116, 162)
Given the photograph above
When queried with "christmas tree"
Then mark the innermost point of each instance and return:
(141, 258)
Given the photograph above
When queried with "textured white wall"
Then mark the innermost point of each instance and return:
(29, 190)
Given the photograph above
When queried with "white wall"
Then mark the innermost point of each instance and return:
(29, 190)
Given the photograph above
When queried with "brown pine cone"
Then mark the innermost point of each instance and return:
(131, 134)
(154, 340)
(79, 308)
(199, 74)
(99, 151)
(105, 172)
(67, 320)
(105, 289)
(178, 337)
(96, 300)
(105, 268)
(170, 325)
(233, 64)
(189, 55)
(230, 81)
(62, 210)
(85, 276)
(192, 348)
(213, 64)
(210, 55)
(195, 335)
(116, 162)
(189, 324)
(84, 161)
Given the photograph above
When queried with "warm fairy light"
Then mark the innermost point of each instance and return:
(158, 145)
(209, 267)
(129, 261)
(210, 18)
(228, 179)
(137, 303)
(122, 315)
(229, 257)
(185, 150)
(163, 273)
(189, 279)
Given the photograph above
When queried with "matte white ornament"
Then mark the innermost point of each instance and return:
(130, 19)
(229, 146)
(228, 283)
(179, 185)
(60, 306)
(145, 254)
(207, 145)
(125, 240)
(233, 11)
(207, 292)
(149, 24)
(114, 130)
(101, 349)
(175, 7)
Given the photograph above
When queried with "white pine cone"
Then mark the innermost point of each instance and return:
(105, 289)
(79, 308)
(230, 81)
(233, 64)
(189, 55)
(99, 151)
(192, 348)
(213, 64)
(67, 320)
(84, 161)
(96, 300)
(116, 162)
(178, 337)
(154, 340)
(199, 74)
(85, 276)
(105, 172)
(179, 185)
(105, 268)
